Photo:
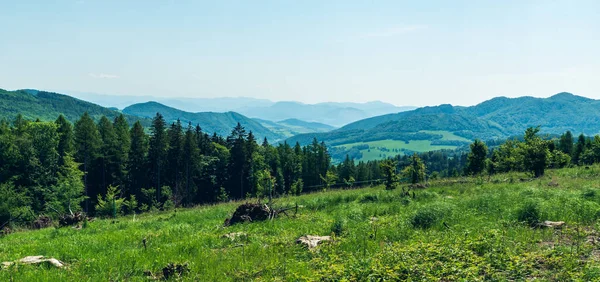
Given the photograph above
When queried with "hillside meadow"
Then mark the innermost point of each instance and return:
(468, 229)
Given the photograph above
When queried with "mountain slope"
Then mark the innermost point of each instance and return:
(47, 106)
(336, 114)
(292, 127)
(221, 123)
(496, 118)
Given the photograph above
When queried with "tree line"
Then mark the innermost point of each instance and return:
(55, 167)
(108, 166)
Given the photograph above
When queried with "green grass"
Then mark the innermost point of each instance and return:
(375, 153)
(456, 230)
(447, 135)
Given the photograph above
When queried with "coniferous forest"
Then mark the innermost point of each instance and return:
(54, 167)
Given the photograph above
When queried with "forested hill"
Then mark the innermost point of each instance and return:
(496, 118)
(221, 123)
(47, 106)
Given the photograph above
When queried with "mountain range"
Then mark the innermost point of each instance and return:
(497, 118)
(331, 113)
(444, 126)
(210, 122)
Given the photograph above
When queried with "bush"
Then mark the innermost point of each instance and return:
(428, 216)
(529, 213)
(589, 194)
(369, 198)
(425, 218)
(339, 226)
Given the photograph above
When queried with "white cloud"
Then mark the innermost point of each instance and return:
(395, 31)
(103, 75)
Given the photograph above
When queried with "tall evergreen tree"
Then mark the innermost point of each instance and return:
(476, 159)
(136, 164)
(87, 144)
(107, 154)
(174, 169)
(66, 138)
(157, 153)
(238, 160)
(121, 156)
(579, 148)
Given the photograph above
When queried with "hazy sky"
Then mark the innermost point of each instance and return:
(403, 52)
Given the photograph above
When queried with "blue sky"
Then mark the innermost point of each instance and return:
(403, 52)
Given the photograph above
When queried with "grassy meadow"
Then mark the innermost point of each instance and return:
(468, 229)
(382, 149)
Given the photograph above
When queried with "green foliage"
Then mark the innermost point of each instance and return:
(329, 179)
(529, 213)
(338, 227)
(388, 168)
(13, 204)
(535, 152)
(415, 171)
(111, 204)
(476, 160)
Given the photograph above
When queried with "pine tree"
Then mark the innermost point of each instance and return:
(66, 143)
(121, 152)
(192, 164)
(157, 153)
(415, 171)
(237, 161)
(476, 159)
(136, 164)
(175, 160)
(87, 145)
(107, 154)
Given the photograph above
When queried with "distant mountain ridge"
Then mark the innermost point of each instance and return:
(210, 122)
(336, 114)
(331, 113)
(499, 117)
(47, 106)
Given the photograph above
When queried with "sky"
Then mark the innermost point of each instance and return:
(403, 52)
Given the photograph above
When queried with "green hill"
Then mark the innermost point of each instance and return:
(221, 123)
(292, 127)
(497, 118)
(47, 106)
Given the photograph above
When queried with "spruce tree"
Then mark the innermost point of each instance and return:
(157, 153)
(87, 145)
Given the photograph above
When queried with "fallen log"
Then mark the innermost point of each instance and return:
(312, 241)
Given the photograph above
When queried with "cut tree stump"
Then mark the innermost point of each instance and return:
(36, 260)
(312, 241)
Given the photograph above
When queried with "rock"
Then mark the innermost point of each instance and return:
(36, 260)
(311, 241)
(552, 224)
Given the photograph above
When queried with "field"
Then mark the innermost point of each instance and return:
(457, 229)
(382, 149)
